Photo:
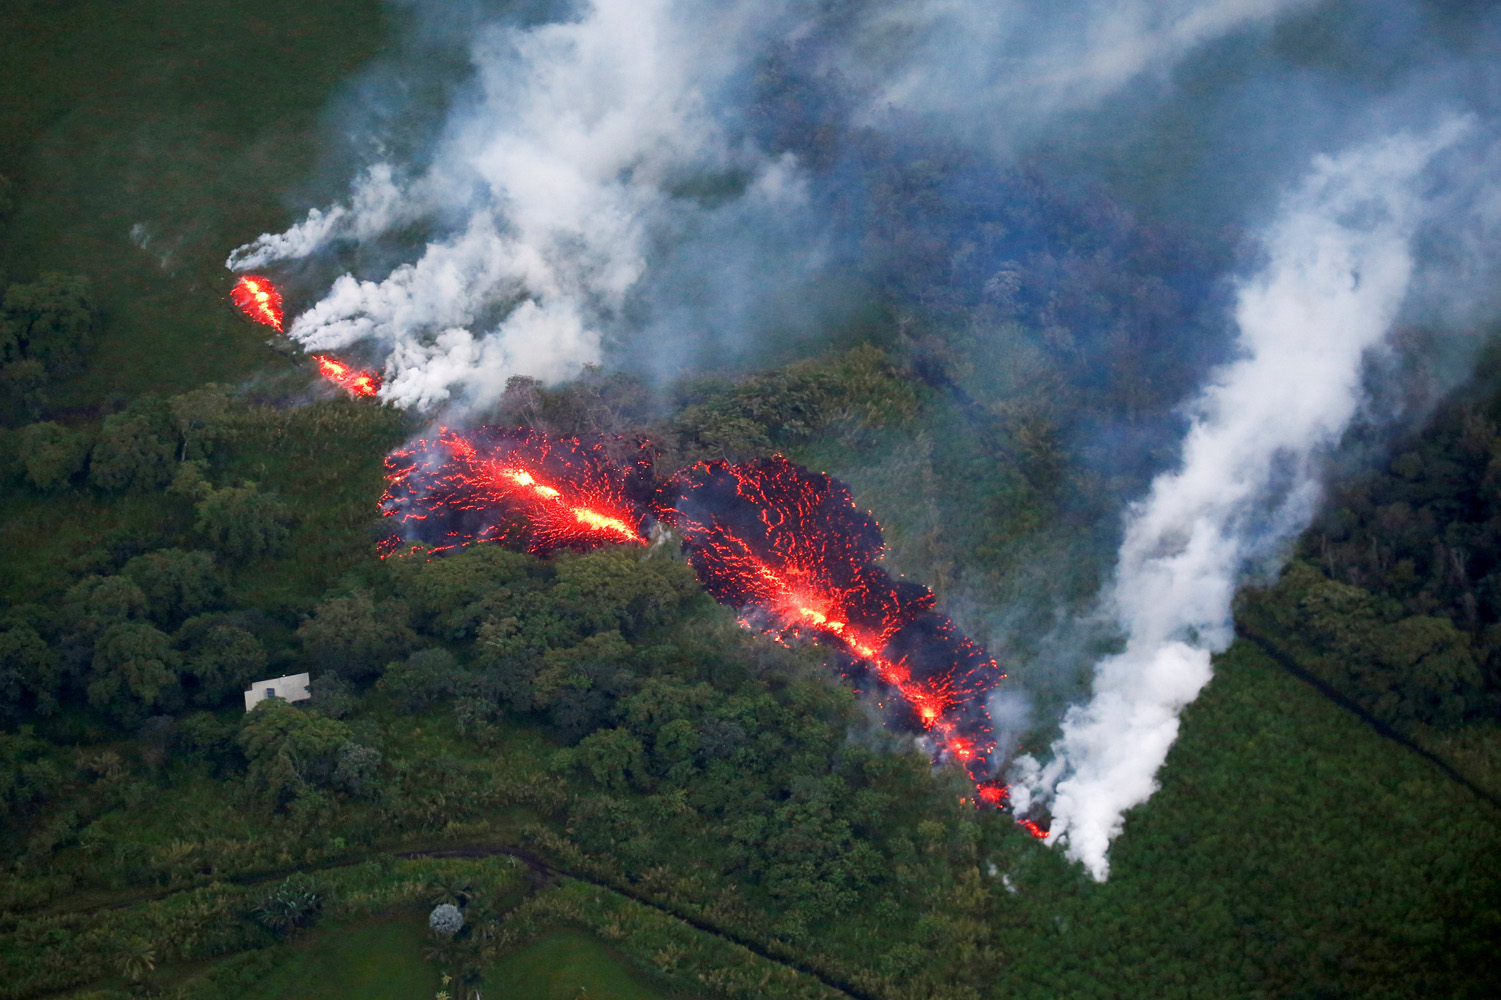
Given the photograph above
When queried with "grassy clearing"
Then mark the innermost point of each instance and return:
(565, 965)
(376, 960)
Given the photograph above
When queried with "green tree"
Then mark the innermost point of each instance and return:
(95, 603)
(290, 751)
(356, 768)
(243, 523)
(135, 450)
(294, 903)
(1431, 669)
(23, 390)
(52, 455)
(618, 589)
(353, 636)
(613, 757)
(176, 583)
(28, 775)
(220, 656)
(452, 595)
(28, 672)
(136, 958)
(423, 679)
(49, 320)
(134, 670)
(201, 418)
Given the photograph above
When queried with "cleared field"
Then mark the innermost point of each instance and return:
(377, 960)
(565, 965)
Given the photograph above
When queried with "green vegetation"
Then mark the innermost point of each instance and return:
(375, 960)
(564, 966)
(636, 795)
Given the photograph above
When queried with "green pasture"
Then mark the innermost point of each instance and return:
(565, 965)
(377, 960)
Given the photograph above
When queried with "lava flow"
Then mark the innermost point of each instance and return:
(258, 299)
(353, 380)
(789, 549)
(519, 487)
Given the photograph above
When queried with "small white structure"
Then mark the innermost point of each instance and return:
(292, 687)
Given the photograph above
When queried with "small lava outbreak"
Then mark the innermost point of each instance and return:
(355, 381)
(517, 487)
(258, 299)
(790, 551)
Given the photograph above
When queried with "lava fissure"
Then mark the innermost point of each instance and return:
(790, 550)
(352, 380)
(515, 487)
(787, 548)
(258, 298)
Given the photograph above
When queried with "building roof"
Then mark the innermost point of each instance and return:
(292, 687)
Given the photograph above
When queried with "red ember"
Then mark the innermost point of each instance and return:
(258, 299)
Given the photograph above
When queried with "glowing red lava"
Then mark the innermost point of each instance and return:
(519, 487)
(786, 547)
(258, 299)
(789, 549)
(353, 380)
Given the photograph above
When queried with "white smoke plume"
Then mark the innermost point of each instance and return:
(976, 61)
(578, 133)
(555, 180)
(1338, 267)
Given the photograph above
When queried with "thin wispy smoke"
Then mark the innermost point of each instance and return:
(592, 149)
(1338, 268)
(971, 61)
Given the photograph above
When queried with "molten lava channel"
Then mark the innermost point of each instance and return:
(785, 547)
(517, 487)
(352, 380)
(258, 298)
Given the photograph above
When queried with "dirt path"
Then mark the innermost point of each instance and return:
(541, 872)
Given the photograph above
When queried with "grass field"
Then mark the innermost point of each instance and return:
(377, 960)
(565, 965)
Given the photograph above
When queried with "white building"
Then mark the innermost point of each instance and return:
(292, 687)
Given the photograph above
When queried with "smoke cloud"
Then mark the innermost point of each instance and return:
(1338, 267)
(605, 165)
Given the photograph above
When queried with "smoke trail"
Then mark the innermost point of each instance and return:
(594, 148)
(1003, 67)
(1338, 269)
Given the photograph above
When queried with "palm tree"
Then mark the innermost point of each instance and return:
(137, 957)
(456, 890)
